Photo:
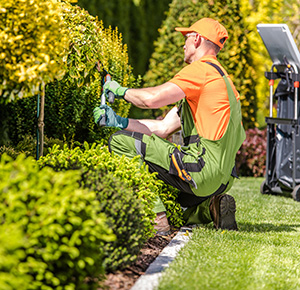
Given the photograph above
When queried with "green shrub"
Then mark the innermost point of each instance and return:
(96, 161)
(61, 222)
(69, 102)
(125, 214)
(168, 195)
(167, 58)
(12, 275)
(251, 157)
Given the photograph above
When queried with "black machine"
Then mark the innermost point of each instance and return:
(283, 139)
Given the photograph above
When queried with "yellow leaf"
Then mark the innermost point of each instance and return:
(18, 37)
(47, 58)
(42, 67)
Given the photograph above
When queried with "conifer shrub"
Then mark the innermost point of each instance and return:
(33, 41)
(137, 20)
(168, 55)
(63, 230)
(70, 100)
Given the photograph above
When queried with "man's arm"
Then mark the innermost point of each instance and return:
(154, 97)
(162, 128)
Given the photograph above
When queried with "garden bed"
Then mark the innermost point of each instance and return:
(125, 279)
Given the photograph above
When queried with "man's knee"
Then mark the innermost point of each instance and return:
(114, 141)
(127, 143)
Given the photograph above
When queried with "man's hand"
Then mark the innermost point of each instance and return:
(111, 118)
(115, 88)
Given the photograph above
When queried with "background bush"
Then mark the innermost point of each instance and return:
(137, 20)
(61, 224)
(268, 11)
(251, 157)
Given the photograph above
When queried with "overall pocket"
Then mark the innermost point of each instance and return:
(182, 169)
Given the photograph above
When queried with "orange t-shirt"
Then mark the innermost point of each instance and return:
(206, 93)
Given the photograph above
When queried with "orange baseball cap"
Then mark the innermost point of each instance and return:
(209, 29)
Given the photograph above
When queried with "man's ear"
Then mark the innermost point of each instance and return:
(197, 41)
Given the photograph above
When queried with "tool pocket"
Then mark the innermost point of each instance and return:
(181, 169)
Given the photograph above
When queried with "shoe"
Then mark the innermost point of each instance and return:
(161, 224)
(222, 209)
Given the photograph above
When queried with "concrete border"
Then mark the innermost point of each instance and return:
(150, 279)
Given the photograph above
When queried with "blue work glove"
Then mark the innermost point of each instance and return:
(115, 88)
(111, 118)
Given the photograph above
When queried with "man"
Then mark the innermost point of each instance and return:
(209, 115)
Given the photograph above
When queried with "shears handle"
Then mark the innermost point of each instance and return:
(111, 99)
(111, 96)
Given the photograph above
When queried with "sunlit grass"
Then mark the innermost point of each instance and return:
(263, 254)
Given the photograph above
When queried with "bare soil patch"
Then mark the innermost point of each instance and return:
(125, 279)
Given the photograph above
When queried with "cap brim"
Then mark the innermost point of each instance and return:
(183, 30)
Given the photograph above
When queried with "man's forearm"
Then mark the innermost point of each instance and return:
(162, 128)
(155, 97)
(147, 127)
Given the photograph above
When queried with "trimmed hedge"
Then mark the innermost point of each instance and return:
(63, 229)
(69, 102)
(132, 221)
(11, 253)
(125, 214)
(131, 218)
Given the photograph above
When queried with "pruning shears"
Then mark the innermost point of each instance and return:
(111, 96)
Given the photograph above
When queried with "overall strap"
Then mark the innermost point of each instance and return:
(216, 67)
(195, 138)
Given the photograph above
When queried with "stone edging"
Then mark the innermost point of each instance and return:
(150, 279)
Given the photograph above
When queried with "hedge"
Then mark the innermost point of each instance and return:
(64, 231)
(133, 174)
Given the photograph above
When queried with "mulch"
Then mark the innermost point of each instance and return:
(125, 279)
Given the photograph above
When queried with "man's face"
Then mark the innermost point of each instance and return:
(189, 47)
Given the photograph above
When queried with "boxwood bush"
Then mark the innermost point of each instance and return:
(69, 101)
(131, 218)
(12, 253)
(61, 223)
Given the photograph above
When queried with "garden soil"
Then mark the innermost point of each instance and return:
(126, 278)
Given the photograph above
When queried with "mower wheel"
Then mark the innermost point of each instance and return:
(264, 189)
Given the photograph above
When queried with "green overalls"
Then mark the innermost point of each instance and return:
(206, 165)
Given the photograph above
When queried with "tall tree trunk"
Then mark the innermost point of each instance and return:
(41, 123)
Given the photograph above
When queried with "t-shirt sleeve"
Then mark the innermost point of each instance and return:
(189, 82)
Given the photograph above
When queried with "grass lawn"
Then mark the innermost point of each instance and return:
(263, 254)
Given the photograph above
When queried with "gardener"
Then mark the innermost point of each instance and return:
(209, 115)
